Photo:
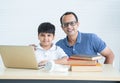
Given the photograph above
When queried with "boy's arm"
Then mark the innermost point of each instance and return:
(63, 60)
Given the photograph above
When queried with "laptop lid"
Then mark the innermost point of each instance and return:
(18, 56)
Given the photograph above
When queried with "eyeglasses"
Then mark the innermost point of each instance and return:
(72, 23)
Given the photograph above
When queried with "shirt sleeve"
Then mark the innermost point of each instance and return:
(61, 53)
(98, 43)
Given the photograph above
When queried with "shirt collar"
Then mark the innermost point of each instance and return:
(78, 39)
(41, 48)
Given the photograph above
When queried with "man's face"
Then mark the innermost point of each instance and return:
(69, 24)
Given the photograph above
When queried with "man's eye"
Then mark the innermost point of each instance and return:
(66, 24)
(72, 23)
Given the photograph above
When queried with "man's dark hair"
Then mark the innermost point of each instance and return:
(46, 27)
(67, 13)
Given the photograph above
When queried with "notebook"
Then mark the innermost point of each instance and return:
(18, 57)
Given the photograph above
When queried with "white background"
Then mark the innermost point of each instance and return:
(19, 20)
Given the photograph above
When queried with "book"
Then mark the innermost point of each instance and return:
(86, 57)
(78, 62)
(96, 68)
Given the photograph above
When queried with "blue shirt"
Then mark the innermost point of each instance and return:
(86, 44)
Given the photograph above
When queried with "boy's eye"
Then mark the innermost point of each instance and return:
(49, 35)
(42, 35)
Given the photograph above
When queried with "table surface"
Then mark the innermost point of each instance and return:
(108, 73)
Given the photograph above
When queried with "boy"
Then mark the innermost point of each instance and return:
(46, 50)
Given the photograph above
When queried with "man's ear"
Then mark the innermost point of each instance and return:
(78, 23)
(62, 27)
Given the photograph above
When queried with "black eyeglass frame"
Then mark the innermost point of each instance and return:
(72, 23)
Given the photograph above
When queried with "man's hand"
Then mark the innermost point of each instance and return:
(33, 45)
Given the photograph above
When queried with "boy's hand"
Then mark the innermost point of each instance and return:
(42, 63)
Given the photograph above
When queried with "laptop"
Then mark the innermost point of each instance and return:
(18, 57)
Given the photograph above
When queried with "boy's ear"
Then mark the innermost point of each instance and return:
(78, 24)
(53, 36)
(38, 37)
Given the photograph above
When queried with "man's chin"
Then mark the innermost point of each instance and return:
(70, 33)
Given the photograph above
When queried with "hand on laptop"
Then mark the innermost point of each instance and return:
(42, 63)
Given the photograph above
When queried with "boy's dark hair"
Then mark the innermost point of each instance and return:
(46, 27)
(67, 13)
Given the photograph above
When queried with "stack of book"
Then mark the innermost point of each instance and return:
(85, 63)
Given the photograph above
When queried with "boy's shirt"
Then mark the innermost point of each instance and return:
(53, 53)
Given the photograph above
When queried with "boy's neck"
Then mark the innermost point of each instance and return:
(47, 47)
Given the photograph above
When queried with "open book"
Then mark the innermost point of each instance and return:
(86, 57)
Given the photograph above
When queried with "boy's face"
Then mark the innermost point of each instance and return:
(45, 38)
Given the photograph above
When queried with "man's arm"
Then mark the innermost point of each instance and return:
(108, 54)
(33, 45)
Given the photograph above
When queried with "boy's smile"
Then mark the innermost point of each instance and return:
(46, 39)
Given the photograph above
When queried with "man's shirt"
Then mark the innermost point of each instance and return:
(86, 44)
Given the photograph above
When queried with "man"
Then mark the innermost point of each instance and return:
(77, 43)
